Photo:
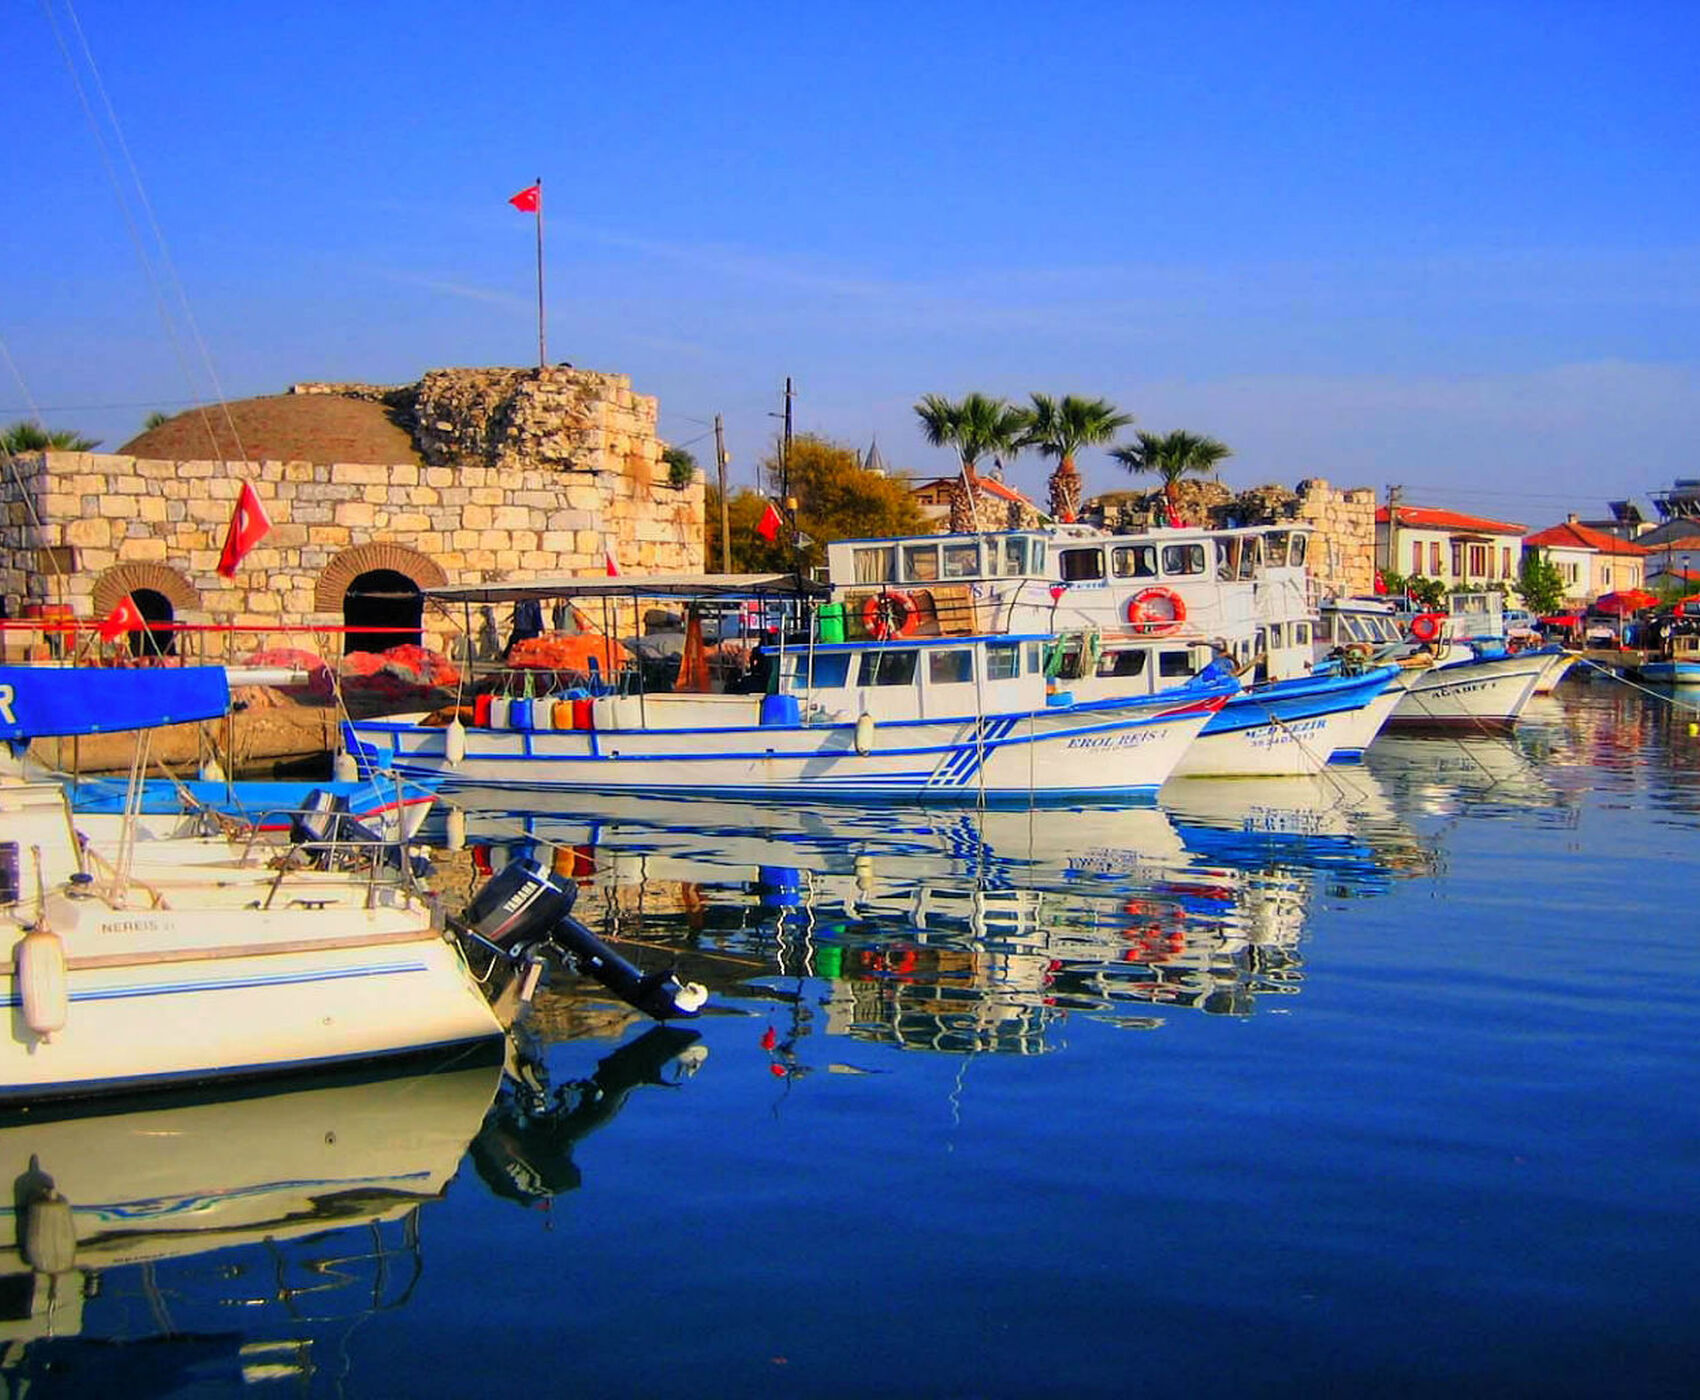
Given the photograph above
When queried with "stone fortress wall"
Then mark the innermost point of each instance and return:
(520, 474)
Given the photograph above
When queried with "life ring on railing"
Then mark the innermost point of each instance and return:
(1142, 616)
(889, 615)
(1425, 627)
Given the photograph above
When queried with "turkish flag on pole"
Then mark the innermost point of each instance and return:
(529, 200)
(126, 617)
(768, 526)
(248, 525)
(610, 564)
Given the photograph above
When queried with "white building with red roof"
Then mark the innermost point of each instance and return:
(1590, 561)
(1462, 551)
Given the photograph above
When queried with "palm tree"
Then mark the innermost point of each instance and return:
(25, 436)
(976, 426)
(1172, 457)
(1060, 430)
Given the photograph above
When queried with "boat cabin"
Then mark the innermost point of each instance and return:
(1245, 589)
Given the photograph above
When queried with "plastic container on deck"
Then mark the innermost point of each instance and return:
(481, 710)
(832, 622)
(519, 712)
(499, 707)
(780, 710)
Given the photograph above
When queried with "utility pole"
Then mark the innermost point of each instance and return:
(785, 449)
(720, 460)
(1394, 493)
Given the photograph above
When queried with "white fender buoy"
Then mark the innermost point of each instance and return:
(343, 767)
(50, 1235)
(864, 873)
(212, 770)
(42, 982)
(454, 742)
(457, 829)
(865, 733)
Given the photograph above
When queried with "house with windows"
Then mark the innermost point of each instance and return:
(1462, 551)
(1590, 561)
(1002, 507)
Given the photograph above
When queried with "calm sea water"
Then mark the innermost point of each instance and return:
(1381, 1084)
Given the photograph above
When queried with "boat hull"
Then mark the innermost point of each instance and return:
(1671, 672)
(157, 997)
(1290, 728)
(1117, 748)
(1477, 696)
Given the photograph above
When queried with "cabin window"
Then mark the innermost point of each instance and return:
(952, 667)
(823, 671)
(889, 667)
(1003, 661)
(1035, 662)
(1275, 549)
(1301, 634)
(874, 564)
(1015, 557)
(1296, 546)
(1122, 663)
(1183, 559)
(1251, 555)
(1036, 562)
(1081, 564)
(1134, 561)
(1175, 663)
(921, 563)
(1227, 558)
(962, 560)
(1277, 634)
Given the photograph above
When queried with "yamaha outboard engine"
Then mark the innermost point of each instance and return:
(524, 913)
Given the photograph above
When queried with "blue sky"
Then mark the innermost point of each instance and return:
(1449, 246)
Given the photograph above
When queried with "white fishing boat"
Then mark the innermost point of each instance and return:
(969, 717)
(141, 964)
(1467, 680)
(1236, 597)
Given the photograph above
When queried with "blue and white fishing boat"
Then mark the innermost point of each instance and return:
(1273, 729)
(965, 718)
(139, 964)
(1676, 661)
(395, 809)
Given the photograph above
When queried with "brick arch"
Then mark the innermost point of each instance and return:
(363, 559)
(121, 580)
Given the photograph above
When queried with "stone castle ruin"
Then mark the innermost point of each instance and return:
(374, 492)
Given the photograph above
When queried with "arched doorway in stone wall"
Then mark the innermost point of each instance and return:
(378, 586)
(160, 594)
(383, 600)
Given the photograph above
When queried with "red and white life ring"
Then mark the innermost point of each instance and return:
(1425, 627)
(889, 615)
(1156, 611)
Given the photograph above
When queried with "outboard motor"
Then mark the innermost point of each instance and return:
(323, 830)
(524, 913)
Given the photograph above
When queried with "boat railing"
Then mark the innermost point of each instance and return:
(387, 862)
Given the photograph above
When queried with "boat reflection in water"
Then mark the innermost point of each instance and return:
(1477, 775)
(974, 931)
(139, 1237)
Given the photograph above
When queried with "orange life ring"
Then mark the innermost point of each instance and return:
(1141, 618)
(1425, 627)
(889, 615)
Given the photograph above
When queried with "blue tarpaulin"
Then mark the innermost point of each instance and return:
(38, 701)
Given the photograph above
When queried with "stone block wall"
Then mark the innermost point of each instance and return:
(1342, 551)
(527, 474)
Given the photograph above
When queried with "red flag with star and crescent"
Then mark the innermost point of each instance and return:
(248, 526)
(126, 617)
(529, 200)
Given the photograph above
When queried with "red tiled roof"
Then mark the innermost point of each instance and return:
(1576, 536)
(1008, 493)
(1423, 518)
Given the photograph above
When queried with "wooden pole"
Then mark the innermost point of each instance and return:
(725, 515)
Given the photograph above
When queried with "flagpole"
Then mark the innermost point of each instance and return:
(542, 350)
